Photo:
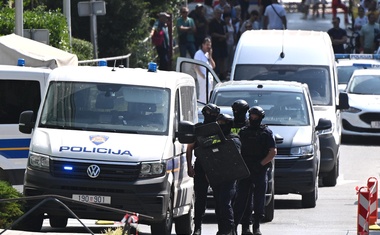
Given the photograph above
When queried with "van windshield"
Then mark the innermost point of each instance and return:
(316, 77)
(281, 108)
(106, 107)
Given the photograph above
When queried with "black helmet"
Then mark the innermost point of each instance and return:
(210, 112)
(225, 122)
(225, 118)
(240, 106)
(211, 109)
(257, 110)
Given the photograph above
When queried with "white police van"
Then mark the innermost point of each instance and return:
(113, 136)
(21, 88)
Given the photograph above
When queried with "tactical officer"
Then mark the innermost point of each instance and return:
(239, 109)
(224, 192)
(201, 184)
(258, 150)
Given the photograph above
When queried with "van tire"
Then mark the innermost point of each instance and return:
(269, 210)
(331, 179)
(185, 223)
(309, 200)
(58, 221)
(31, 223)
(165, 226)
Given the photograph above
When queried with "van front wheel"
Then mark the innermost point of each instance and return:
(164, 227)
(58, 221)
(185, 223)
(331, 179)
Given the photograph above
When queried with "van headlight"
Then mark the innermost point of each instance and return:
(39, 161)
(150, 169)
(306, 151)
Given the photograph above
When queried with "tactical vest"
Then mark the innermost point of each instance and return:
(254, 143)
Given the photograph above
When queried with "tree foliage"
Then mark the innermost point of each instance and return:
(9, 211)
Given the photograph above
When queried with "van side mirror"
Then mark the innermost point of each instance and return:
(323, 124)
(343, 101)
(186, 132)
(26, 122)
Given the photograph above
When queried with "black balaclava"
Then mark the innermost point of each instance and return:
(255, 123)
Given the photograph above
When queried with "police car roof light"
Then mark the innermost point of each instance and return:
(102, 63)
(362, 65)
(357, 56)
(20, 62)
(152, 67)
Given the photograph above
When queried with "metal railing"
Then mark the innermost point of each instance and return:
(115, 58)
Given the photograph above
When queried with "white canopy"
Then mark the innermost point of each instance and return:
(35, 54)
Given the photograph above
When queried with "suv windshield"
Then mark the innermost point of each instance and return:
(106, 107)
(316, 77)
(281, 108)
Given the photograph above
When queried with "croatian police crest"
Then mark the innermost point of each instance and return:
(98, 139)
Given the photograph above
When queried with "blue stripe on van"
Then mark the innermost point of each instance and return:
(14, 148)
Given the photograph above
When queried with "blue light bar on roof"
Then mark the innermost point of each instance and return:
(362, 65)
(357, 56)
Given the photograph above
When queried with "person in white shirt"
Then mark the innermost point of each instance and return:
(275, 16)
(360, 20)
(204, 54)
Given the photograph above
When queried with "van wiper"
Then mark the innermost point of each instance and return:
(111, 130)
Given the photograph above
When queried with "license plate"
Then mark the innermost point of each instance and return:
(375, 124)
(92, 198)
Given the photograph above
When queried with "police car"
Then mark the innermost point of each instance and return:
(348, 63)
(363, 116)
(289, 114)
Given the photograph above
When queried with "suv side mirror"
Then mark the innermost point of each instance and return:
(186, 132)
(26, 122)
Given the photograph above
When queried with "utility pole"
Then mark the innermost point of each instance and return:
(94, 34)
(67, 13)
(19, 22)
(92, 9)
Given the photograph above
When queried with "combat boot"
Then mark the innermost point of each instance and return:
(245, 230)
(256, 229)
(197, 230)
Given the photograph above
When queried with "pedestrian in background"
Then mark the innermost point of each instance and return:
(338, 4)
(160, 38)
(201, 184)
(258, 150)
(231, 38)
(205, 81)
(368, 34)
(186, 30)
(201, 24)
(217, 31)
(338, 36)
(275, 16)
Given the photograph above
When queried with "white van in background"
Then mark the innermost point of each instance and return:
(21, 88)
(302, 56)
(25, 65)
(113, 136)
